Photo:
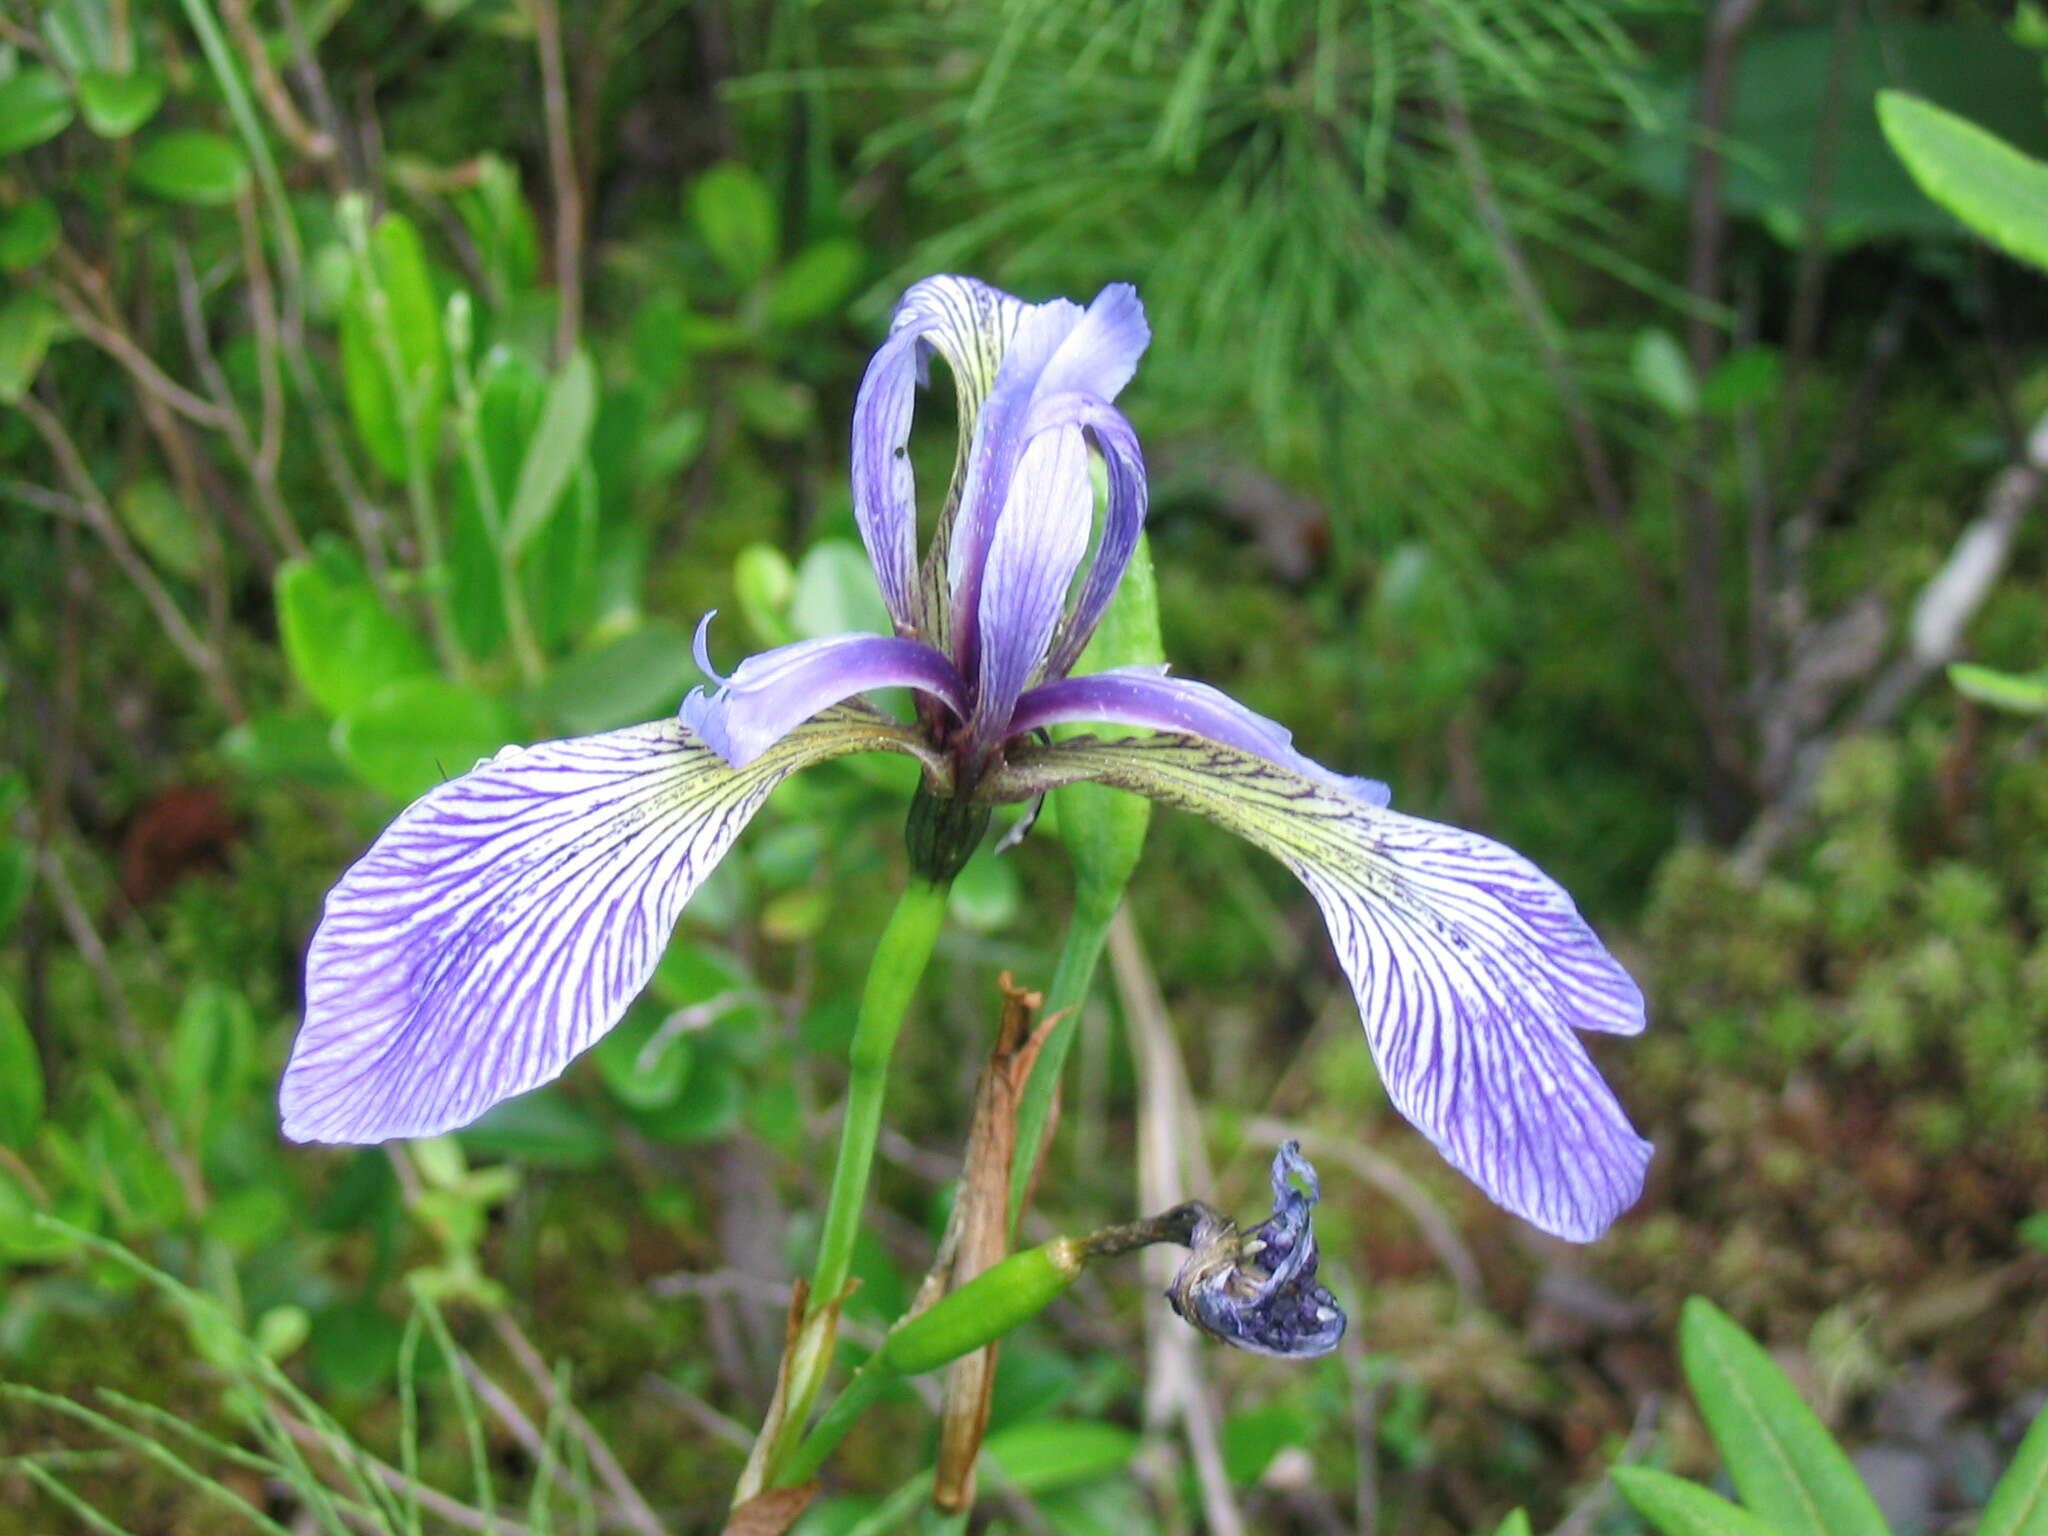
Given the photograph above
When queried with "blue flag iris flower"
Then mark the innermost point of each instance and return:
(504, 922)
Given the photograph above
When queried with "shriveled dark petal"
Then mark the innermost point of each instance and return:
(1258, 1290)
(771, 693)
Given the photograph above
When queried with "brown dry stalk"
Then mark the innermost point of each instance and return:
(981, 1223)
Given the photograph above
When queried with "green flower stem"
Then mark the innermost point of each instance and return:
(984, 1310)
(1095, 905)
(901, 955)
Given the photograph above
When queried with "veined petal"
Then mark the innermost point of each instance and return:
(774, 691)
(1147, 698)
(1471, 967)
(974, 327)
(1123, 521)
(503, 922)
(1098, 356)
(884, 490)
(1055, 354)
(1037, 547)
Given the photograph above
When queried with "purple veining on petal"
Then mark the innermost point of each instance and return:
(501, 925)
(1037, 547)
(1123, 521)
(1055, 353)
(884, 490)
(1147, 698)
(1472, 969)
(773, 692)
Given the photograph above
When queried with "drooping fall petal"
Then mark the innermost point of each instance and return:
(501, 925)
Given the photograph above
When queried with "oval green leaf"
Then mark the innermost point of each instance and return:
(736, 218)
(1787, 1467)
(1679, 1508)
(28, 234)
(342, 643)
(2019, 1504)
(206, 170)
(420, 731)
(116, 105)
(1999, 192)
(21, 1078)
(555, 450)
(35, 106)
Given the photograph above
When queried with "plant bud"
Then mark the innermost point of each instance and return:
(984, 1309)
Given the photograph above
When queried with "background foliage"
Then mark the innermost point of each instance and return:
(1569, 410)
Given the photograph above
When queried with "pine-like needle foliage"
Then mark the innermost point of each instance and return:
(1275, 174)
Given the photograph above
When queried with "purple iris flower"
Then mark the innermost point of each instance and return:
(506, 919)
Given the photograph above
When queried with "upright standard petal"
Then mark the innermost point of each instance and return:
(504, 921)
(771, 693)
(1123, 520)
(884, 490)
(1038, 545)
(1061, 356)
(1471, 967)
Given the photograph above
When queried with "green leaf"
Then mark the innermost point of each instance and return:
(1787, 1467)
(420, 731)
(639, 676)
(16, 874)
(1056, 1453)
(392, 322)
(157, 520)
(500, 225)
(645, 1065)
(1746, 378)
(779, 409)
(342, 643)
(836, 593)
(1679, 1508)
(736, 219)
(191, 165)
(986, 895)
(1785, 108)
(554, 451)
(28, 234)
(28, 324)
(816, 283)
(1662, 372)
(35, 106)
(2019, 1504)
(544, 1127)
(116, 105)
(1516, 1524)
(285, 748)
(21, 1078)
(1999, 192)
(764, 581)
(2024, 693)
(212, 1046)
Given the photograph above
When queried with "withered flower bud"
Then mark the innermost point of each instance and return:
(1257, 1290)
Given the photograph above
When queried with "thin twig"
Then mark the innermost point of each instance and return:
(720, 1426)
(432, 1500)
(1170, 1161)
(1609, 501)
(111, 338)
(633, 1508)
(277, 101)
(547, 28)
(71, 464)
